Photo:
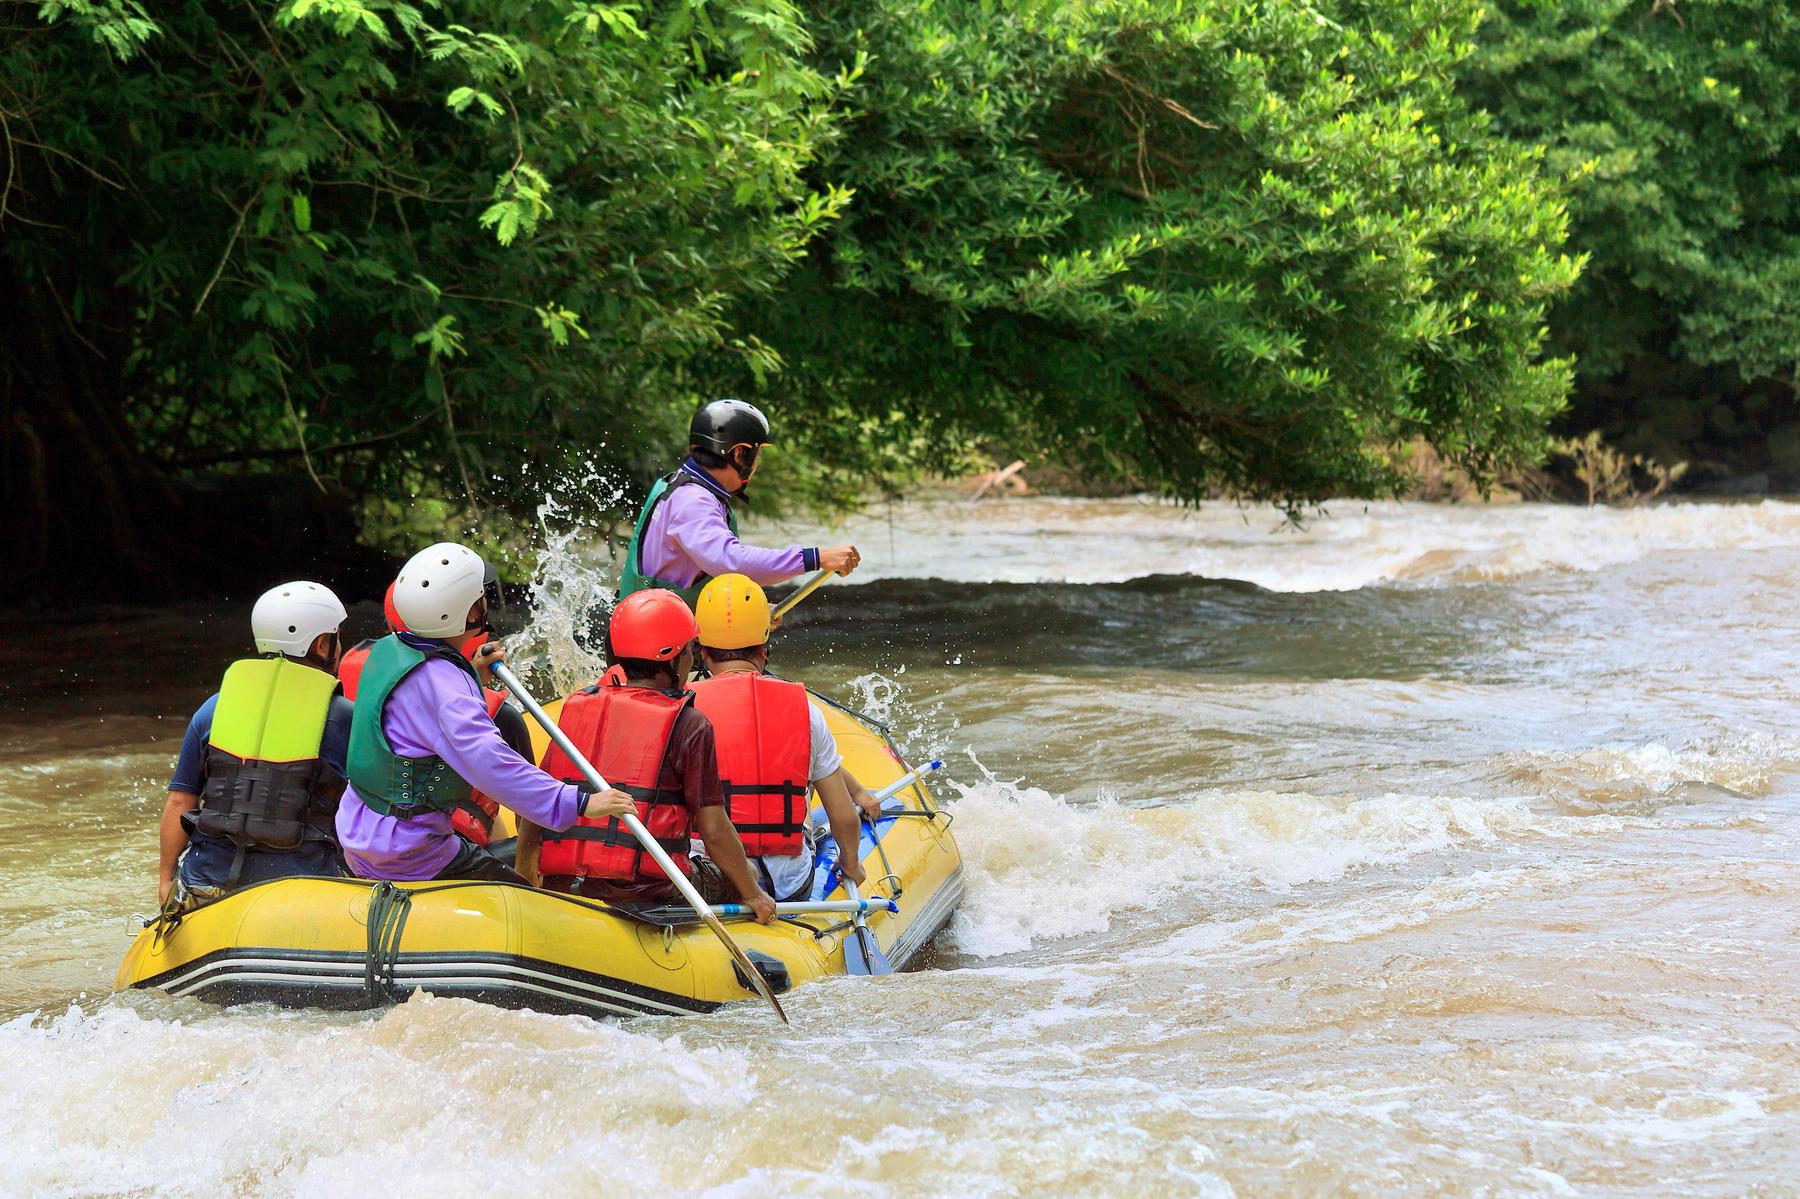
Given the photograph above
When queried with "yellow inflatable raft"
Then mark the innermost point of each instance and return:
(348, 943)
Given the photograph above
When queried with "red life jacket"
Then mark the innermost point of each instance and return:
(624, 732)
(764, 731)
(350, 666)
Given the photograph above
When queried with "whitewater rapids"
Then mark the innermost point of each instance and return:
(1424, 850)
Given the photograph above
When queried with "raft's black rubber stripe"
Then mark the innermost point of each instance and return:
(326, 965)
(341, 963)
(245, 967)
(257, 985)
(274, 989)
(250, 981)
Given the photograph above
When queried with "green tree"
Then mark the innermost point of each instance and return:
(402, 246)
(1678, 122)
(1237, 244)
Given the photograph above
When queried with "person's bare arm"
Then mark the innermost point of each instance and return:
(846, 829)
(727, 852)
(172, 838)
(861, 796)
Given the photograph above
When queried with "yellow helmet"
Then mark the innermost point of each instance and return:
(733, 613)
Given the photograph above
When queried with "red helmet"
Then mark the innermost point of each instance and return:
(653, 624)
(393, 613)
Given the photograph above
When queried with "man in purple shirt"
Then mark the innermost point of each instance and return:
(687, 532)
(422, 738)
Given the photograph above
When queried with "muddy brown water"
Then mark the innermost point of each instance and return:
(1426, 851)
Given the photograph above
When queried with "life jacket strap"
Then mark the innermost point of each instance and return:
(476, 812)
(615, 833)
(793, 811)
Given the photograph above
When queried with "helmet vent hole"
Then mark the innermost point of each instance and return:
(293, 628)
(424, 583)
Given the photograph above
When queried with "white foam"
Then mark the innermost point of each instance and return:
(1745, 765)
(1039, 868)
(1352, 545)
(414, 1102)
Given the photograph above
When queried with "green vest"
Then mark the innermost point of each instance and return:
(265, 787)
(633, 578)
(389, 783)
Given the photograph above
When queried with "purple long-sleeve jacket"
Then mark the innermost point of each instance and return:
(438, 709)
(687, 537)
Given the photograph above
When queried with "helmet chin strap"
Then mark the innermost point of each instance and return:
(745, 466)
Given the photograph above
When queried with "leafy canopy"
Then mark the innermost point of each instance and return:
(429, 248)
(1223, 243)
(1678, 125)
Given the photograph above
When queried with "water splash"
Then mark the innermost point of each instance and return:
(572, 587)
(1351, 546)
(921, 731)
(1743, 766)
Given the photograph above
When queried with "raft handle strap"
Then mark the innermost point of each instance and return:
(389, 906)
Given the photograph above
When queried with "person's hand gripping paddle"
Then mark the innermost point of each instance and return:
(746, 967)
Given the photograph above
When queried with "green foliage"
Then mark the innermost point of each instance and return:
(411, 240)
(1678, 126)
(1221, 244)
(425, 249)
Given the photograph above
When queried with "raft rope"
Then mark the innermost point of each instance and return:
(389, 906)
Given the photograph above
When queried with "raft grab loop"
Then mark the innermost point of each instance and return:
(389, 906)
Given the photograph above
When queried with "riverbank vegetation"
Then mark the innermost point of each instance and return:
(262, 261)
(1677, 127)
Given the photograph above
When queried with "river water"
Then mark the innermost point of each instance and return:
(1426, 850)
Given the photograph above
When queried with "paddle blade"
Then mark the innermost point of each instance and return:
(863, 956)
(746, 969)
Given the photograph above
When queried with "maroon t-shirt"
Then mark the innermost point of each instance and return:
(691, 767)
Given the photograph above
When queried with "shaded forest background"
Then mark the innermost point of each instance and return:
(285, 285)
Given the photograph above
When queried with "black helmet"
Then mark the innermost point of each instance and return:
(723, 425)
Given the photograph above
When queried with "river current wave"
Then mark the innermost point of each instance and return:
(1423, 851)
(1347, 545)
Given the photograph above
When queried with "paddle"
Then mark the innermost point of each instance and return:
(862, 952)
(745, 966)
(819, 579)
(817, 907)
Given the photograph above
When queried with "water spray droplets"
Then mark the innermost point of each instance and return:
(573, 587)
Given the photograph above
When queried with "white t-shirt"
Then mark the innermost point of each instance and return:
(790, 873)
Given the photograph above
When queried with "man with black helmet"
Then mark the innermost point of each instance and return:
(687, 532)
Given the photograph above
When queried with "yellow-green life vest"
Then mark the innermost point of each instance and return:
(265, 785)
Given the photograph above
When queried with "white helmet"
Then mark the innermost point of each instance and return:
(437, 587)
(287, 619)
